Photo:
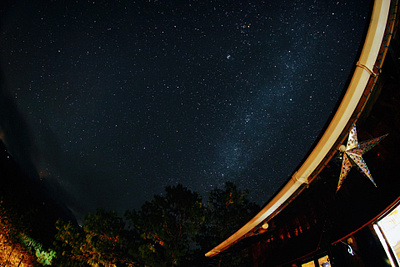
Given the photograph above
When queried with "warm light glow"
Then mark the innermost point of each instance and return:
(342, 148)
(324, 262)
(388, 231)
(265, 226)
(308, 264)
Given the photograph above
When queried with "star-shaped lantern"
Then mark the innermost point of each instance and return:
(352, 155)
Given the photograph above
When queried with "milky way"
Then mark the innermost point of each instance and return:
(124, 98)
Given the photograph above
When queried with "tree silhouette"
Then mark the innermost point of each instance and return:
(12, 251)
(102, 241)
(227, 210)
(167, 226)
(173, 229)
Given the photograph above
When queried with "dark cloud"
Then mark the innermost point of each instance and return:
(15, 132)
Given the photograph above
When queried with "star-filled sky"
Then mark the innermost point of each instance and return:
(111, 101)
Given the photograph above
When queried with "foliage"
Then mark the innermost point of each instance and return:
(12, 252)
(68, 242)
(43, 257)
(100, 242)
(227, 210)
(167, 226)
(173, 229)
(4, 222)
(11, 223)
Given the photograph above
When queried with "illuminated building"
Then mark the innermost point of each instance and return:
(308, 223)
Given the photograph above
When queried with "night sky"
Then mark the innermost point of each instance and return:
(111, 101)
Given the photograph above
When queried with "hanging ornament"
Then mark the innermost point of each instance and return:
(352, 155)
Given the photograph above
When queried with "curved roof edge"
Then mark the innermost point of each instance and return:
(354, 93)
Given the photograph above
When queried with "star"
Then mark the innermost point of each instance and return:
(352, 155)
(172, 89)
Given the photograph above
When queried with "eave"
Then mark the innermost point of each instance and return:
(352, 103)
